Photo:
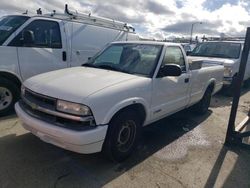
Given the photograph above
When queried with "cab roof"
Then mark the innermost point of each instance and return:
(227, 41)
(147, 42)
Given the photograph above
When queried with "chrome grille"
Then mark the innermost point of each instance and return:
(44, 108)
(40, 100)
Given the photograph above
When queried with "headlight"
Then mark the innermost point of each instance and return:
(228, 72)
(73, 108)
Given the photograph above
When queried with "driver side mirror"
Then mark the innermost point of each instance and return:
(28, 38)
(170, 70)
(188, 53)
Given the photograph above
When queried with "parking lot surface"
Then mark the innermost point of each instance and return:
(184, 150)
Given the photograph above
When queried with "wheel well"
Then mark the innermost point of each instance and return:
(12, 78)
(211, 86)
(135, 107)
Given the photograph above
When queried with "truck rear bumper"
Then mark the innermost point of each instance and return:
(85, 142)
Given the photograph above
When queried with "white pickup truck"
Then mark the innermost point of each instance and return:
(103, 105)
(228, 53)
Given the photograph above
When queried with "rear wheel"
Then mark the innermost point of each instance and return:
(122, 136)
(9, 94)
(202, 106)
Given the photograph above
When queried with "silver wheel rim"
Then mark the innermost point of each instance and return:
(5, 98)
(126, 136)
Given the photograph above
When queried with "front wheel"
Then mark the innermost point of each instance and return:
(122, 136)
(9, 94)
(202, 106)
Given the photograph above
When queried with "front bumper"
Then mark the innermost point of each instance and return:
(89, 141)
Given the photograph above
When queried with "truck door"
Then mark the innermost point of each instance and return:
(170, 94)
(41, 47)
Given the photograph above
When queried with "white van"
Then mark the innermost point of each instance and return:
(30, 45)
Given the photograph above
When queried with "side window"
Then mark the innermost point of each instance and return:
(40, 34)
(174, 55)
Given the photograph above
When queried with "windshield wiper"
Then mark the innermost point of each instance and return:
(197, 54)
(211, 55)
(221, 55)
(89, 65)
(109, 67)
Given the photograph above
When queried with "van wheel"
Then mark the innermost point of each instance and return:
(122, 136)
(201, 107)
(9, 94)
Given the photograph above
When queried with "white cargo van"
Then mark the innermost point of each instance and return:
(30, 45)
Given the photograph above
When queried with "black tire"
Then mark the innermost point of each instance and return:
(202, 106)
(116, 146)
(8, 89)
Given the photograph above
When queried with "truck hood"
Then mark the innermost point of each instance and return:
(221, 61)
(75, 84)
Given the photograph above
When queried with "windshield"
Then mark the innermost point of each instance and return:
(218, 49)
(9, 24)
(139, 59)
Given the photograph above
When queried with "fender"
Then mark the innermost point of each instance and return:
(11, 75)
(122, 104)
(211, 81)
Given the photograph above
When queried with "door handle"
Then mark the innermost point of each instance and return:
(186, 80)
(64, 56)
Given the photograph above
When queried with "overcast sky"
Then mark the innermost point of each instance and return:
(157, 18)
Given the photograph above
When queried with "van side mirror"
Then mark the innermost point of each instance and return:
(170, 70)
(28, 38)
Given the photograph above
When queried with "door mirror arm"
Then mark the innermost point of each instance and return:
(188, 53)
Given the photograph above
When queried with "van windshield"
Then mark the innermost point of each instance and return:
(138, 59)
(10, 24)
(218, 49)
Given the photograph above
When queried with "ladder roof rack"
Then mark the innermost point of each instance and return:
(95, 20)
